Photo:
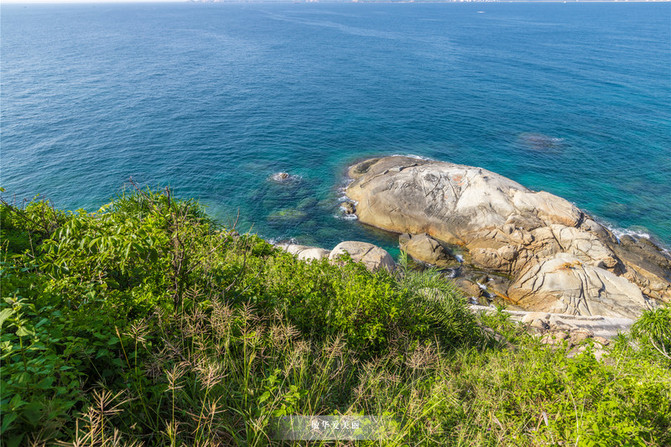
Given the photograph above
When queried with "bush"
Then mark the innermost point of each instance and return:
(653, 329)
(146, 323)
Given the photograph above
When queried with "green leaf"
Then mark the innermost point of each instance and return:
(46, 383)
(15, 441)
(16, 402)
(42, 322)
(264, 397)
(6, 313)
(7, 420)
(23, 332)
(33, 412)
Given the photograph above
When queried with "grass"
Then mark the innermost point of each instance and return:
(146, 324)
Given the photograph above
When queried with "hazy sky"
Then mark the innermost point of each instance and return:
(88, 1)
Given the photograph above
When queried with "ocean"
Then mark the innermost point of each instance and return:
(213, 99)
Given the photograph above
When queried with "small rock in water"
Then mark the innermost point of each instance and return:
(281, 176)
(348, 207)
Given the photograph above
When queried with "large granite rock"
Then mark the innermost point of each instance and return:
(371, 256)
(512, 230)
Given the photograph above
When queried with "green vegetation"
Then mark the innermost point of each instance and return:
(146, 324)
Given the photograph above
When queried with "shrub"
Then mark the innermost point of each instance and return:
(653, 328)
(146, 323)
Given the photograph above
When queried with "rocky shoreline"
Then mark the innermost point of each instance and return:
(552, 328)
(556, 258)
(532, 251)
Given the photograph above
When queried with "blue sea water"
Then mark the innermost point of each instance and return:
(212, 99)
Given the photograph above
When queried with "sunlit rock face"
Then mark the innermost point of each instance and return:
(507, 228)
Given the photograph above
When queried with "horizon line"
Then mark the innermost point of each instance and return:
(103, 2)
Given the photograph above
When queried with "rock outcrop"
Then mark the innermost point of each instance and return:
(545, 323)
(558, 258)
(563, 284)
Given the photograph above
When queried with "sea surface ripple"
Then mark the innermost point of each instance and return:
(212, 99)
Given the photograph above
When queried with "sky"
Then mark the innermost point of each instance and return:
(87, 1)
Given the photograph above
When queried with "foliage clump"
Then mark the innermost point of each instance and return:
(146, 323)
(653, 330)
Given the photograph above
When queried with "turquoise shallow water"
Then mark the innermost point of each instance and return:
(212, 99)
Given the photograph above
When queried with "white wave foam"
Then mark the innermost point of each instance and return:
(637, 234)
(345, 216)
(452, 273)
(621, 232)
(282, 240)
(283, 177)
(344, 198)
(418, 157)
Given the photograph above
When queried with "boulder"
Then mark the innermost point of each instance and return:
(371, 256)
(348, 207)
(424, 248)
(602, 341)
(554, 338)
(468, 287)
(578, 336)
(281, 176)
(557, 257)
(647, 265)
(305, 252)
